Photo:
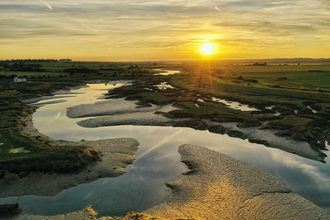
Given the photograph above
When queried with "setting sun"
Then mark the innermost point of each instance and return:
(207, 48)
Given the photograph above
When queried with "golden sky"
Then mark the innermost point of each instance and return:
(113, 30)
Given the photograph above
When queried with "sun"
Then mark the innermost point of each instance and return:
(207, 48)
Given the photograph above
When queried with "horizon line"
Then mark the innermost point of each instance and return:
(194, 60)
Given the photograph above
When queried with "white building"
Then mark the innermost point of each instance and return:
(19, 79)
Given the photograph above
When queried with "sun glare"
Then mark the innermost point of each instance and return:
(207, 48)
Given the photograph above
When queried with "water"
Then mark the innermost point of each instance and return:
(164, 85)
(166, 72)
(234, 105)
(157, 163)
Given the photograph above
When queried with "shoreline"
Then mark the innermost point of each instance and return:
(123, 112)
(218, 187)
(117, 154)
(88, 144)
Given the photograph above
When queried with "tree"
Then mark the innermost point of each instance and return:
(73, 72)
(6, 65)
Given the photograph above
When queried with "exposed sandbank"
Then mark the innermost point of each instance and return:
(109, 107)
(219, 187)
(122, 112)
(146, 118)
(117, 154)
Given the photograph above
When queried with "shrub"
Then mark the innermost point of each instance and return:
(251, 80)
(277, 86)
(319, 89)
(235, 81)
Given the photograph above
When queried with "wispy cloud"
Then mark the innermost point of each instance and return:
(168, 25)
(86, 26)
(48, 5)
(216, 8)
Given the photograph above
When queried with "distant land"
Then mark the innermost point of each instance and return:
(273, 60)
(285, 60)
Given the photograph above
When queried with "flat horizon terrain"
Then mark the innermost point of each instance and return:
(278, 105)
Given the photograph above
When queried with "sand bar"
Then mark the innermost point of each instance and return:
(219, 187)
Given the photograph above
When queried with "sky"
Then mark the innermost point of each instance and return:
(129, 30)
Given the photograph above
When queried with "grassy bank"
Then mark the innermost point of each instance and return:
(21, 153)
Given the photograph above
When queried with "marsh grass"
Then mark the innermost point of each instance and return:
(33, 154)
(253, 85)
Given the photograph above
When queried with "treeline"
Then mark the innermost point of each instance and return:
(12, 76)
(24, 67)
(79, 70)
(113, 69)
(8, 77)
(116, 71)
(31, 60)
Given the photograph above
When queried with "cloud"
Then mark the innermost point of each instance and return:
(216, 8)
(164, 24)
(86, 26)
(320, 179)
(48, 5)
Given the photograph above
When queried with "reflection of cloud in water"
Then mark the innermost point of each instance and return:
(58, 115)
(88, 195)
(166, 139)
(105, 181)
(320, 179)
(136, 172)
(46, 102)
(53, 119)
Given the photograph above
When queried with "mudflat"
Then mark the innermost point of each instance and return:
(219, 187)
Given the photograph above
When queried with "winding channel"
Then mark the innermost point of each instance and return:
(157, 163)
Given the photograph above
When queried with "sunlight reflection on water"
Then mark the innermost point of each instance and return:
(166, 72)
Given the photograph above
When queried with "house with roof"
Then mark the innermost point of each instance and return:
(19, 79)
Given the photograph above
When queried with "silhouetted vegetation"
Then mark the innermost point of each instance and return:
(27, 67)
(78, 70)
